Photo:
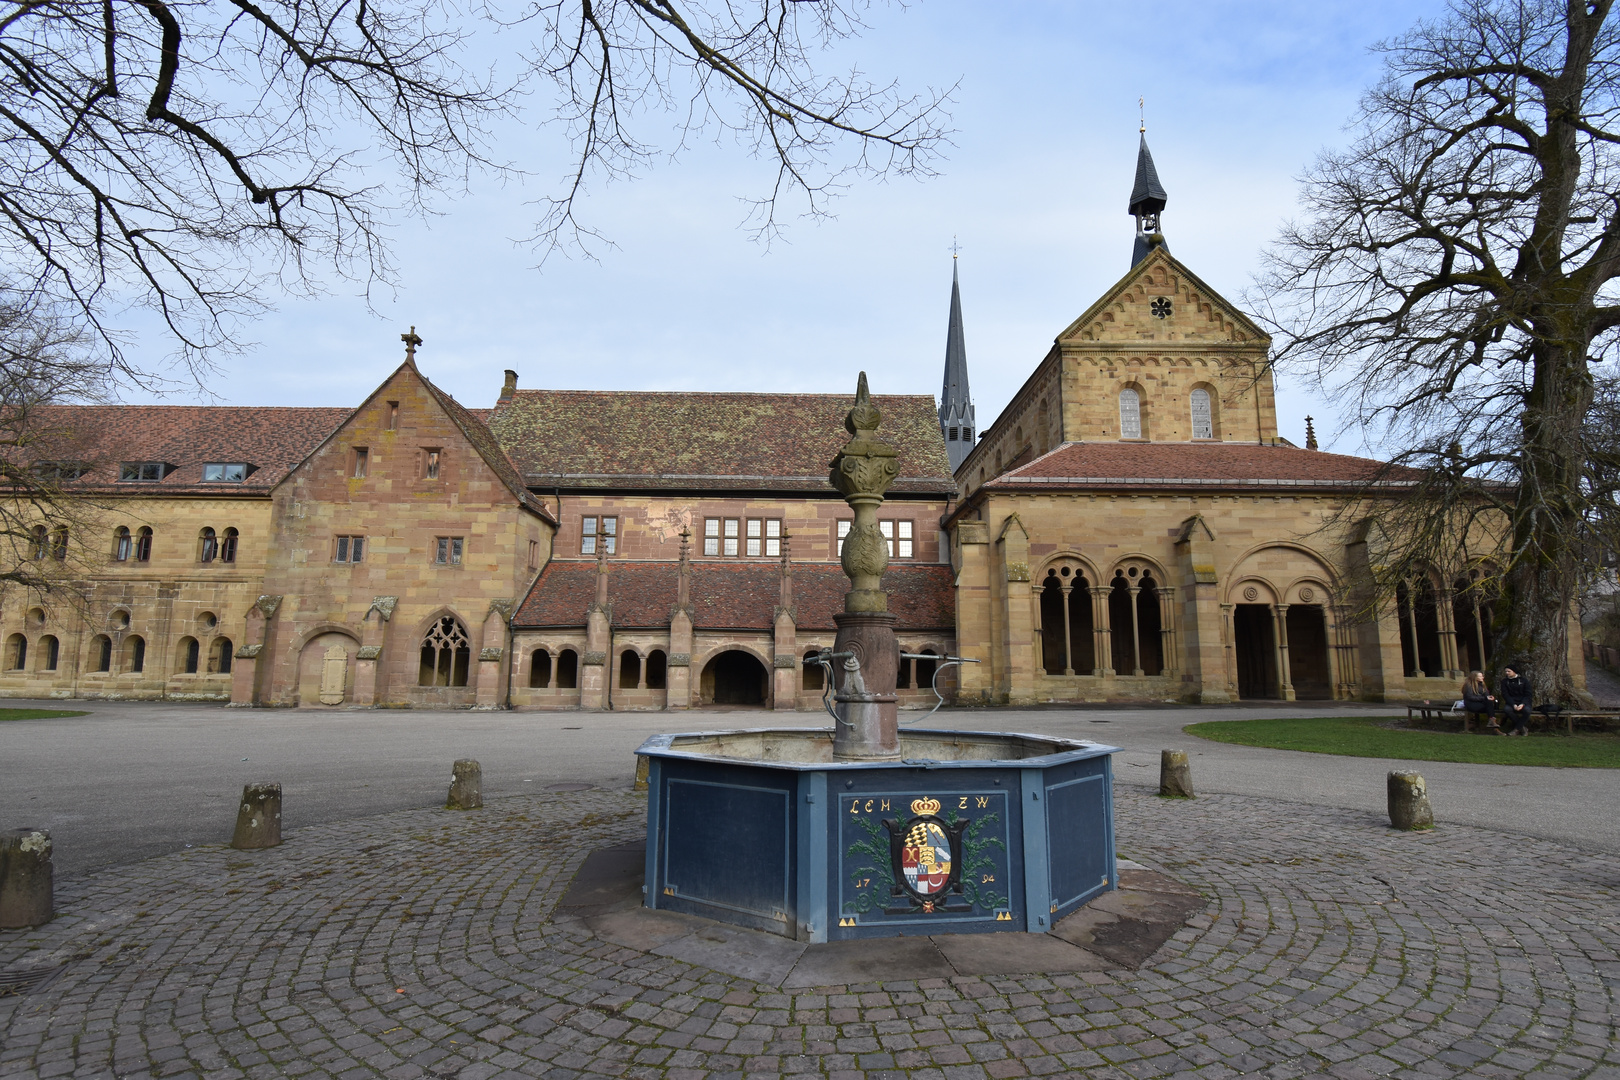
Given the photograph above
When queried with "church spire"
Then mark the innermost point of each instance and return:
(955, 403)
(1147, 200)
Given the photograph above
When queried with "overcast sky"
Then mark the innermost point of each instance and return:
(1240, 97)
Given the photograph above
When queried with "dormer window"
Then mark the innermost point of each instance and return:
(59, 470)
(226, 473)
(143, 472)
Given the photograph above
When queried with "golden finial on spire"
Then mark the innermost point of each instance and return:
(1141, 108)
(955, 247)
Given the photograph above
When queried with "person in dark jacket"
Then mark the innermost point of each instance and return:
(1479, 703)
(1515, 695)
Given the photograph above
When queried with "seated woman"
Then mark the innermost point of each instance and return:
(1479, 703)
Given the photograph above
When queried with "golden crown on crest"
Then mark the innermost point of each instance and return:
(924, 806)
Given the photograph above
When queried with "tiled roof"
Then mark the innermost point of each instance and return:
(1242, 466)
(729, 596)
(273, 440)
(618, 439)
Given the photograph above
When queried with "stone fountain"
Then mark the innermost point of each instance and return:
(865, 830)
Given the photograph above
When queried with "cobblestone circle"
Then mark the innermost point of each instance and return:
(417, 944)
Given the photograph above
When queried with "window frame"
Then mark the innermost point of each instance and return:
(349, 549)
(227, 545)
(143, 544)
(359, 462)
(224, 468)
(1135, 415)
(595, 527)
(140, 469)
(1208, 417)
(432, 462)
(449, 550)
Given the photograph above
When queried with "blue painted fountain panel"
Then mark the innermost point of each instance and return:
(926, 859)
(725, 846)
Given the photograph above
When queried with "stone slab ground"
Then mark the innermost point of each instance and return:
(424, 944)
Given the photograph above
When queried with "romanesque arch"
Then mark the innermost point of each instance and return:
(1065, 587)
(1140, 610)
(1284, 637)
(735, 675)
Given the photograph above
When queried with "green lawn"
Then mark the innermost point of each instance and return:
(36, 714)
(1375, 737)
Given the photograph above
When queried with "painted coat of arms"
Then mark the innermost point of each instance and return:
(925, 853)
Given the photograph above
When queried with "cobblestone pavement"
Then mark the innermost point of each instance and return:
(417, 944)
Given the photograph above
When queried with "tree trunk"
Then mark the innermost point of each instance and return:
(1540, 585)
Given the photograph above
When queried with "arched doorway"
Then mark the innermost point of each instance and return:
(1254, 641)
(326, 669)
(735, 677)
(1308, 653)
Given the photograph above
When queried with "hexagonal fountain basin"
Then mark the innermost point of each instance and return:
(969, 831)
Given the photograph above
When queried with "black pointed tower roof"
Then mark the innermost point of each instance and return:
(1147, 199)
(955, 402)
(1147, 195)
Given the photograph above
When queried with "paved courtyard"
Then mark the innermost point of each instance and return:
(417, 944)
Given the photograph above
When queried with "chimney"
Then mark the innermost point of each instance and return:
(509, 388)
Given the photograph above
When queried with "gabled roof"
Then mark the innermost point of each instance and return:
(270, 440)
(1160, 256)
(471, 426)
(476, 432)
(584, 439)
(729, 596)
(1240, 466)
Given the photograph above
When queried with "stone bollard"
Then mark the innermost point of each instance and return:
(466, 786)
(1175, 775)
(258, 819)
(25, 878)
(1409, 801)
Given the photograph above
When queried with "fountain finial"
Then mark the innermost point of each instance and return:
(862, 472)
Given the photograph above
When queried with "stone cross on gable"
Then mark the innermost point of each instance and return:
(411, 341)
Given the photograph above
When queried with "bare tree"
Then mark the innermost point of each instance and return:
(1453, 275)
(44, 521)
(194, 157)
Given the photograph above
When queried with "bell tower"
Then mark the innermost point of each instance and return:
(955, 403)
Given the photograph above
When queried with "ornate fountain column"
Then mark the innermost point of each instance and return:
(862, 472)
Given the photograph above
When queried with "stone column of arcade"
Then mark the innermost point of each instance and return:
(863, 470)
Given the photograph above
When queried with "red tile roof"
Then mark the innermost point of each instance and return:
(729, 596)
(1242, 466)
(273, 440)
(618, 439)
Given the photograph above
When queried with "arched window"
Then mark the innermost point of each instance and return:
(190, 654)
(540, 669)
(59, 543)
(1130, 414)
(16, 653)
(629, 669)
(101, 653)
(135, 653)
(814, 677)
(50, 652)
(143, 545)
(207, 545)
(657, 670)
(227, 546)
(568, 670)
(219, 656)
(123, 544)
(445, 654)
(1203, 425)
(39, 543)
